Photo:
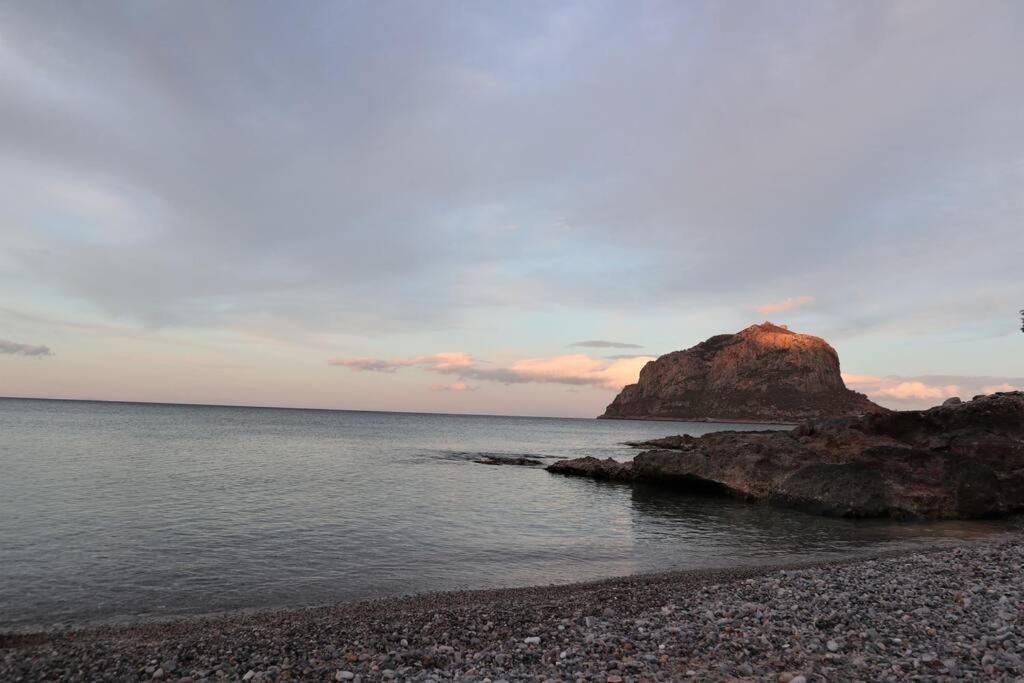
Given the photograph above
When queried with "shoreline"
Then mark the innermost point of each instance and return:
(644, 626)
(697, 420)
(692, 576)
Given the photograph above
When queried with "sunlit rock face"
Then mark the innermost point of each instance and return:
(763, 373)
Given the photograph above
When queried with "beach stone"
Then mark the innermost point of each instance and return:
(749, 624)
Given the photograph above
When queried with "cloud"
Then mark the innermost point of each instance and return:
(24, 349)
(785, 305)
(580, 369)
(454, 386)
(996, 388)
(918, 391)
(925, 391)
(572, 369)
(438, 362)
(602, 344)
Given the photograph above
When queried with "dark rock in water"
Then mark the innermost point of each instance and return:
(765, 373)
(594, 468)
(510, 460)
(960, 460)
(672, 442)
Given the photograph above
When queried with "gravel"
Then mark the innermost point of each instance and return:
(945, 614)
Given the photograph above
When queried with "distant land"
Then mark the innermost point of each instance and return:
(764, 373)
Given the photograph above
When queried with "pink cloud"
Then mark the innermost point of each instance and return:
(926, 391)
(785, 305)
(918, 391)
(900, 389)
(995, 388)
(454, 386)
(572, 369)
(913, 392)
(579, 368)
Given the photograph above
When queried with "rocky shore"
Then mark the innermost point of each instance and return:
(959, 460)
(948, 614)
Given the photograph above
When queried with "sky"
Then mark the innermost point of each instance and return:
(503, 207)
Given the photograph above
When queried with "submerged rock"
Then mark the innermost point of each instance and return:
(958, 460)
(520, 460)
(765, 373)
(594, 468)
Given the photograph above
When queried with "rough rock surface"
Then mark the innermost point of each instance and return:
(764, 373)
(960, 460)
(947, 615)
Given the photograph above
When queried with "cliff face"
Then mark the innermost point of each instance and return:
(763, 373)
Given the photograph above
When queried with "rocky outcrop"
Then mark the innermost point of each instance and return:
(958, 460)
(766, 373)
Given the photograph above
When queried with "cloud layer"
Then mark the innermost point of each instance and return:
(322, 184)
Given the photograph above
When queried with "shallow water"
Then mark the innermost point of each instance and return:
(113, 512)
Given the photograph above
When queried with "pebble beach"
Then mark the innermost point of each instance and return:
(952, 613)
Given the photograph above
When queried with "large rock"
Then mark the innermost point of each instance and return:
(765, 373)
(961, 460)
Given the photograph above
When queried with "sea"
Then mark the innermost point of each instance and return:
(126, 512)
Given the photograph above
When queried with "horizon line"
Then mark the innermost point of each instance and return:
(273, 407)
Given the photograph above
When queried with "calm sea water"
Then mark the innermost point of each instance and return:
(113, 512)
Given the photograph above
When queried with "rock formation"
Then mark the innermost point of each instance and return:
(765, 373)
(958, 460)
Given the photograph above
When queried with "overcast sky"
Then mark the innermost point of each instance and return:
(502, 207)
